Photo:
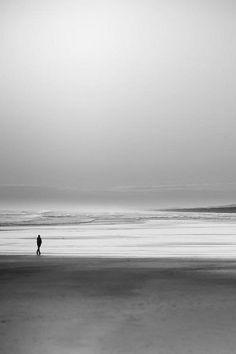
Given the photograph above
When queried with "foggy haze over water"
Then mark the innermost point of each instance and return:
(97, 95)
(119, 198)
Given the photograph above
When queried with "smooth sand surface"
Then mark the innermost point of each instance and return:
(68, 305)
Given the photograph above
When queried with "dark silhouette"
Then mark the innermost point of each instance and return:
(39, 243)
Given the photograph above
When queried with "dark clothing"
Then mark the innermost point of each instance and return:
(39, 243)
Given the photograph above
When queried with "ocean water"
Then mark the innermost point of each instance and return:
(130, 233)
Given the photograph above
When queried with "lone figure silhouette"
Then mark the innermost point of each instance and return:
(39, 243)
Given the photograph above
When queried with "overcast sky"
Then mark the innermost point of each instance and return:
(117, 93)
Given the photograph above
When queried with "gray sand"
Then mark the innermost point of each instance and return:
(68, 305)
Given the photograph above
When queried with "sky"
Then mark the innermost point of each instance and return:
(117, 94)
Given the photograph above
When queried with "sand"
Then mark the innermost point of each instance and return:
(81, 305)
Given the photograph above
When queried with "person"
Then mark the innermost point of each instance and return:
(39, 243)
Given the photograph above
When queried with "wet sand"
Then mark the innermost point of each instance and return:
(110, 306)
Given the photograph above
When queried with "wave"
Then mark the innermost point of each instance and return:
(57, 218)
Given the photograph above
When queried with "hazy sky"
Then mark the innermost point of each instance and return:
(116, 93)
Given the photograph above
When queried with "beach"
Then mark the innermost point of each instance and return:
(112, 305)
(118, 177)
(130, 234)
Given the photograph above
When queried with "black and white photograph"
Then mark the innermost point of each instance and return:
(117, 177)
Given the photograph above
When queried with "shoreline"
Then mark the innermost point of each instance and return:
(131, 259)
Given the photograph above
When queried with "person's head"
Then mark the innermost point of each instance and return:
(38, 236)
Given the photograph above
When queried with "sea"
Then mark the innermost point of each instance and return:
(119, 233)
